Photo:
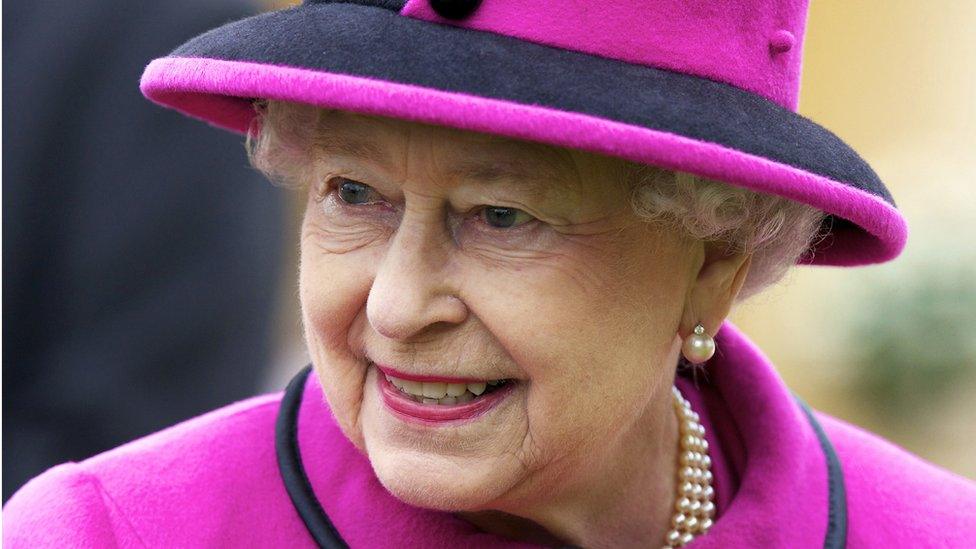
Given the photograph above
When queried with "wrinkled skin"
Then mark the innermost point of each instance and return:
(579, 301)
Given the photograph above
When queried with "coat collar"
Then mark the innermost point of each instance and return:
(776, 464)
(772, 491)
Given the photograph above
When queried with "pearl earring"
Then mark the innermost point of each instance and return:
(699, 346)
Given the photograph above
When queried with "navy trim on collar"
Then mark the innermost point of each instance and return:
(293, 472)
(837, 497)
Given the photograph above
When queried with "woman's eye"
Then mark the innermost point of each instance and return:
(505, 218)
(354, 192)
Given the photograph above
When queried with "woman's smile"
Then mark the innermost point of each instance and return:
(435, 401)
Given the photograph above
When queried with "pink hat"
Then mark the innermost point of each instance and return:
(708, 87)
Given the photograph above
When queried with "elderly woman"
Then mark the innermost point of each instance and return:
(526, 225)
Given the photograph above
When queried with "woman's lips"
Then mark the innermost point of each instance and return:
(389, 370)
(417, 412)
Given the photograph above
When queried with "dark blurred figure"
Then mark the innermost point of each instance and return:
(139, 249)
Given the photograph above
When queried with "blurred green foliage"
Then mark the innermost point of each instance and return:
(915, 337)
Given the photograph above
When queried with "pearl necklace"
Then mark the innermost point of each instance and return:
(693, 509)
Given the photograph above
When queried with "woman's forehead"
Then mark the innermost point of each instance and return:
(471, 154)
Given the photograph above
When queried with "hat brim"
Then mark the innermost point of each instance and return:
(372, 60)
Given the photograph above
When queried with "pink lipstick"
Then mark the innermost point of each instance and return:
(405, 407)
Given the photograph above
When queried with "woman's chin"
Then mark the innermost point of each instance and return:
(444, 483)
(448, 467)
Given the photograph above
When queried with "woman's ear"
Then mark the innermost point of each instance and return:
(714, 288)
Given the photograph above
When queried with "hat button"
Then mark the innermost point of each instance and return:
(782, 41)
(454, 9)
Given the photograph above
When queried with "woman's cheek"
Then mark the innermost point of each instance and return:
(509, 251)
(331, 230)
(334, 282)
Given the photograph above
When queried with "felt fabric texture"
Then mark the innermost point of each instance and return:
(213, 481)
(350, 39)
(754, 45)
(864, 227)
(394, 5)
(371, 59)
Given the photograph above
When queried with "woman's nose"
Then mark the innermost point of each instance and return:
(413, 288)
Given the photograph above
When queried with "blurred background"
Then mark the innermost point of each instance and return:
(141, 253)
(892, 347)
(150, 275)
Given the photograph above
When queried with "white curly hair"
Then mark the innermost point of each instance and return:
(775, 230)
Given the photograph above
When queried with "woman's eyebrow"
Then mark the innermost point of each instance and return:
(491, 170)
(538, 181)
(507, 168)
(353, 147)
(537, 178)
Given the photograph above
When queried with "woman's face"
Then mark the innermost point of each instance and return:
(444, 254)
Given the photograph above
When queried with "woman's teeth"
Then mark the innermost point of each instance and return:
(438, 392)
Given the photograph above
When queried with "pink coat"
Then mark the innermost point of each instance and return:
(215, 481)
